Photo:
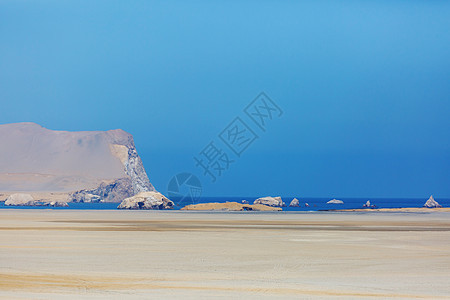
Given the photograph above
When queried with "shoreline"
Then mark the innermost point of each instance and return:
(399, 209)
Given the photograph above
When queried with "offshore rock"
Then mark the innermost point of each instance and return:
(294, 203)
(431, 203)
(146, 200)
(335, 201)
(270, 201)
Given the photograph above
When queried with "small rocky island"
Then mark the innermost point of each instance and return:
(294, 203)
(335, 201)
(270, 201)
(147, 200)
(431, 203)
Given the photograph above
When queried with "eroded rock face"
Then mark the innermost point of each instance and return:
(136, 180)
(20, 199)
(115, 191)
(294, 203)
(146, 200)
(270, 201)
(431, 203)
(335, 201)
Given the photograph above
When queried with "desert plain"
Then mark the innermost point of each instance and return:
(108, 254)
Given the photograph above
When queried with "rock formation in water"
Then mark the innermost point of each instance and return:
(294, 203)
(146, 200)
(20, 199)
(335, 201)
(91, 166)
(431, 203)
(270, 201)
(230, 206)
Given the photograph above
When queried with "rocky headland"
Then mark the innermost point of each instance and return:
(85, 166)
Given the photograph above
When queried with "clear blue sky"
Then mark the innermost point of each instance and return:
(364, 86)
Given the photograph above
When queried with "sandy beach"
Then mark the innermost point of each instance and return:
(71, 254)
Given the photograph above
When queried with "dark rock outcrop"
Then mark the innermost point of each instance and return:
(135, 181)
(115, 191)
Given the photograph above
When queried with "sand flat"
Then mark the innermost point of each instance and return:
(68, 254)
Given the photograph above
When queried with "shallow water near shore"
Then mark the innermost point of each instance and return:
(315, 204)
(111, 254)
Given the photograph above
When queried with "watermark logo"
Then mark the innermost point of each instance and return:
(224, 150)
(184, 189)
(237, 137)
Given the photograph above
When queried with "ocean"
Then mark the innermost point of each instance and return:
(315, 204)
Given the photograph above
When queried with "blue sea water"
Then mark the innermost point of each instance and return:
(315, 204)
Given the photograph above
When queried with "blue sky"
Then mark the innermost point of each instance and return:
(364, 87)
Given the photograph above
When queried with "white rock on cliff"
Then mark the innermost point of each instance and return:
(270, 201)
(20, 199)
(431, 203)
(147, 200)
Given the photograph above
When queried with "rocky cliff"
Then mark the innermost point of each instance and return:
(89, 165)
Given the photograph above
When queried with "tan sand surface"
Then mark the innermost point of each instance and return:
(71, 254)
